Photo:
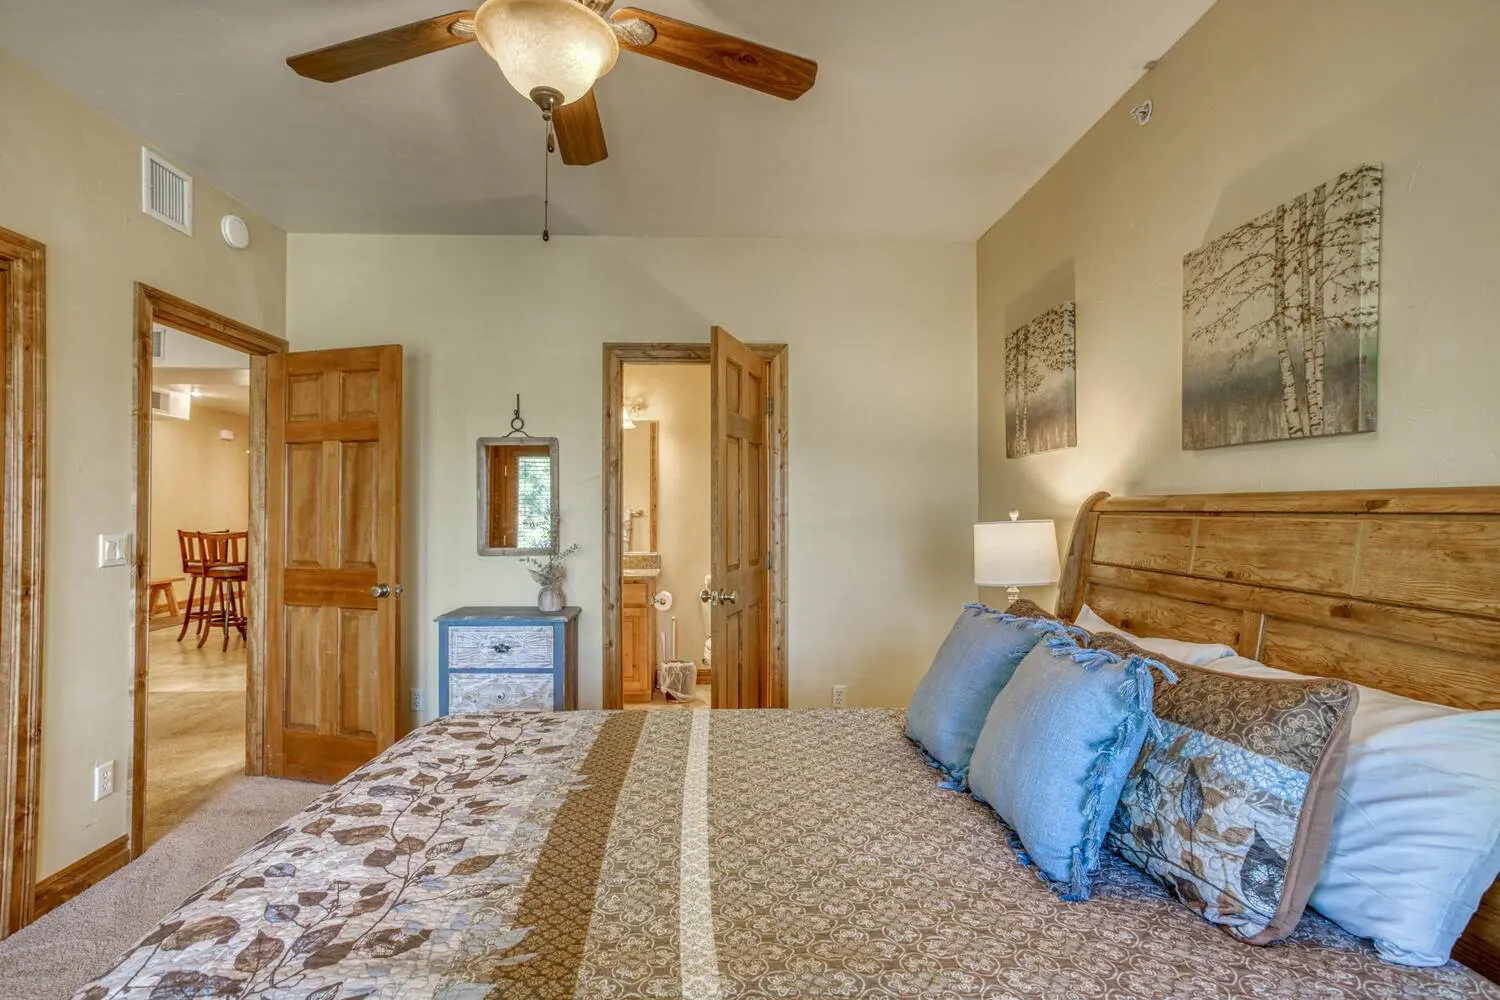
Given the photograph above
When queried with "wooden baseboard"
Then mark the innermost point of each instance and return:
(705, 675)
(61, 886)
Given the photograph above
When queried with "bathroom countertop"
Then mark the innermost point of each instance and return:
(641, 574)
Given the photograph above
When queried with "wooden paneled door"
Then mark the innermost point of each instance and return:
(740, 490)
(334, 547)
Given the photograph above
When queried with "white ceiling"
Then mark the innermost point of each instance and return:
(218, 377)
(928, 120)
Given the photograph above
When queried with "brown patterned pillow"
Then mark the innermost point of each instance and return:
(1230, 805)
(1022, 607)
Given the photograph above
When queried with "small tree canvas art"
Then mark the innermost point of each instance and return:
(1040, 384)
(1281, 319)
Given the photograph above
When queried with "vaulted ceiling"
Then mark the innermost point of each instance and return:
(928, 119)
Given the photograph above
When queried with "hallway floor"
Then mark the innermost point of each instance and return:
(702, 698)
(195, 729)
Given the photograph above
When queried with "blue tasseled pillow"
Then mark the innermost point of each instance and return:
(974, 663)
(1056, 748)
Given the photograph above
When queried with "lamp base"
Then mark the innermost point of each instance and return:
(1012, 595)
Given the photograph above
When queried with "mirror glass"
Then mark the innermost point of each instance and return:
(639, 470)
(518, 499)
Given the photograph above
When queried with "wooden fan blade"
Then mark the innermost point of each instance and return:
(735, 60)
(580, 133)
(385, 48)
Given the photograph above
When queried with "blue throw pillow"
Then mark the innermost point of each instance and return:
(1055, 750)
(974, 663)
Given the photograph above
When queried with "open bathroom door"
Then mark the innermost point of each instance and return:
(740, 494)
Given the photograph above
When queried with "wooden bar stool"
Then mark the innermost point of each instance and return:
(225, 573)
(189, 544)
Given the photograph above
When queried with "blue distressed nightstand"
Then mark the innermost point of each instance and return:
(506, 658)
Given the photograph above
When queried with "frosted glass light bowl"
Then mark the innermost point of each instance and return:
(556, 45)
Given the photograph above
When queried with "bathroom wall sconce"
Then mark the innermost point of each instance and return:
(633, 410)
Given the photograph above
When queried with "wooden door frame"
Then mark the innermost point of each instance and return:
(21, 562)
(616, 357)
(155, 306)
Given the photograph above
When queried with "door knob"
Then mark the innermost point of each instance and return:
(385, 590)
(718, 596)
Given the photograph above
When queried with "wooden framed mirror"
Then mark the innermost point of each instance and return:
(641, 468)
(518, 496)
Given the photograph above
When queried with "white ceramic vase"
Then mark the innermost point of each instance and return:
(550, 599)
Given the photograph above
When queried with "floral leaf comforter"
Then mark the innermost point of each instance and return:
(694, 854)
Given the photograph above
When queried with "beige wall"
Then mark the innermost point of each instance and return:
(883, 485)
(677, 396)
(1260, 101)
(199, 482)
(71, 178)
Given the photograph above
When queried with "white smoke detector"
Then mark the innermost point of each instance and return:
(236, 232)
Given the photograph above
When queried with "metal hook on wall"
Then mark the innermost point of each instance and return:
(517, 422)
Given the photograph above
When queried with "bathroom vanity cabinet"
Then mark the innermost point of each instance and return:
(638, 639)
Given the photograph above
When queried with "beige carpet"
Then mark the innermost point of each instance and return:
(80, 939)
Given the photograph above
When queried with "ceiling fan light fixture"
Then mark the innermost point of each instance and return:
(547, 47)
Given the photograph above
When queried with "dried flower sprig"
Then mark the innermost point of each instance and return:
(550, 571)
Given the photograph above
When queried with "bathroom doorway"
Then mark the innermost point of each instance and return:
(666, 645)
(681, 583)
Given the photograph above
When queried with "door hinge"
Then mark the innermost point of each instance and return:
(770, 406)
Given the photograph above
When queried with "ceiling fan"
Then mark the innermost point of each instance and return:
(553, 51)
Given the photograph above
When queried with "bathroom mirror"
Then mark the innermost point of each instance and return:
(640, 472)
(518, 496)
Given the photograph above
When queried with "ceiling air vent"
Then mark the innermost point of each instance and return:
(166, 192)
(171, 403)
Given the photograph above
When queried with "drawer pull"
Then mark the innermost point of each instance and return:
(501, 647)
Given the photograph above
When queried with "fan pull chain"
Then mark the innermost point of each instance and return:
(547, 182)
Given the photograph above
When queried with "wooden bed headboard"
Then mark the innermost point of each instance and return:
(1393, 589)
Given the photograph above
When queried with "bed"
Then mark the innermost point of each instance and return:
(813, 853)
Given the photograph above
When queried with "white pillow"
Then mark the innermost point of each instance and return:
(1416, 835)
(1198, 654)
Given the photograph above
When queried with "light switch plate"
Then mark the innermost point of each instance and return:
(113, 549)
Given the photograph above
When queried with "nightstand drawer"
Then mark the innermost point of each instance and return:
(526, 647)
(498, 659)
(487, 692)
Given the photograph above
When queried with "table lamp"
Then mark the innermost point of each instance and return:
(1015, 554)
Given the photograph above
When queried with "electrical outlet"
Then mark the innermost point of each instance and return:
(104, 780)
(416, 699)
(840, 696)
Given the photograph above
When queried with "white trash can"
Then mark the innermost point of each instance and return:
(677, 679)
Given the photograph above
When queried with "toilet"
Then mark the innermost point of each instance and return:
(707, 609)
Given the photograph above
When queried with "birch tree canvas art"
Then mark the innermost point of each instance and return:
(1281, 319)
(1040, 383)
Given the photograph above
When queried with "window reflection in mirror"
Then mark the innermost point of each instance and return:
(518, 499)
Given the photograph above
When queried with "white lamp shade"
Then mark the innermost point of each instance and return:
(559, 44)
(1015, 554)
